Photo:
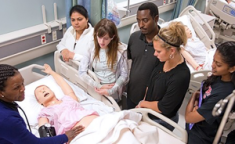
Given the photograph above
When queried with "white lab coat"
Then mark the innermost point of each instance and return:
(83, 44)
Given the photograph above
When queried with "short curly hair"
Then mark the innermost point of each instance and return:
(6, 71)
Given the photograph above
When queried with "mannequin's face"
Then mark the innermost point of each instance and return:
(44, 94)
(188, 32)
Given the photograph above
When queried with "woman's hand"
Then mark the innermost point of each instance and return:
(107, 86)
(71, 55)
(47, 69)
(195, 97)
(65, 55)
(71, 134)
(139, 104)
(102, 91)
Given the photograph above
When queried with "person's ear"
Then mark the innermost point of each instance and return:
(232, 69)
(172, 50)
(156, 18)
(1, 94)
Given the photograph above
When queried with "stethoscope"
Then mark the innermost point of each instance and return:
(24, 116)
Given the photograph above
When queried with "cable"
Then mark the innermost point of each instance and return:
(25, 117)
(107, 99)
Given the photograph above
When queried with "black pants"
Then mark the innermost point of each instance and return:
(231, 138)
(130, 104)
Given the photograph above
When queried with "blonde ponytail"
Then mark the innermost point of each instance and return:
(173, 35)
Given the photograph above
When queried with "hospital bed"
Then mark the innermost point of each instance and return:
(225, 19)
(89, 99)
(188, 17)
(219, 108)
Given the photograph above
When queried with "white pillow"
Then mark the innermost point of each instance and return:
(30, 105)
(185, 19)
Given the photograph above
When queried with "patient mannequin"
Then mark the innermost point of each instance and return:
(196, 53)
(67, 113)
(46, 97)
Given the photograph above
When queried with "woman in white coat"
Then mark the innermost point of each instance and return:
(79, 37)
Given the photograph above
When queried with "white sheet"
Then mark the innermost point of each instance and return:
(106, 129)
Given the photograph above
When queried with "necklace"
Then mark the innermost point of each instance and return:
(169, 69)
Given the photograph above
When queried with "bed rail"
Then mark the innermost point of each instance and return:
(218, 109)
(31, 71)
(192, 12)
(145, 112)
(70, 72)
(196, 78)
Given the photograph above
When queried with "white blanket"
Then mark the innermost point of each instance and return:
(108, 129)
(92, 104)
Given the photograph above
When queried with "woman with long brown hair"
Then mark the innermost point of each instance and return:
(108, 60)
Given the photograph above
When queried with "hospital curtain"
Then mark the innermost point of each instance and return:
(177, 9)
(96, 11)
(104, 8)
(93, 8)
(86, 4)
(68, 5)
(192, 2)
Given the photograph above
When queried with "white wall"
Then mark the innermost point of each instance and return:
(20, 14)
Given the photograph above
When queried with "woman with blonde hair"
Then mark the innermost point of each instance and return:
(169, 80)
(108, 60)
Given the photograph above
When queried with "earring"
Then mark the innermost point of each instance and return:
(2, 95)
(172, 56)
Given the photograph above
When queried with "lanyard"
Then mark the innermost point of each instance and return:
(199, 105)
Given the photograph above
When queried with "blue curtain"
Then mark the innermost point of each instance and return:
(86, 4)
(104, 8)
(191, 2)
(68, 5)
(177, 9)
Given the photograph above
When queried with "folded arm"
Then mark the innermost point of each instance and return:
(191, 114)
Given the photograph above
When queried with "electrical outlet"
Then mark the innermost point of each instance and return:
(164, 2)
(64, 30)
(54, 35)
(43, 39)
